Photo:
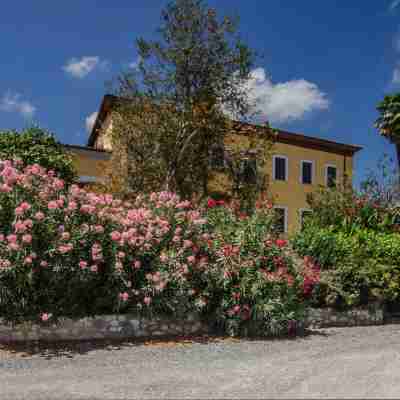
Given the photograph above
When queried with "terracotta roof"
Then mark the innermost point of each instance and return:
(296, 139)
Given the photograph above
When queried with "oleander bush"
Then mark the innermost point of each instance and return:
(66, 252)
(355, 240)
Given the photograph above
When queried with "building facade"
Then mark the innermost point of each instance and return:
(298, 164)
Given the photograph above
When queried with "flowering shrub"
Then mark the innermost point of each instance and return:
(256, 279)
(72, 253)
(68, 252)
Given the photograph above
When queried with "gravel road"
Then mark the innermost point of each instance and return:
(331, 363)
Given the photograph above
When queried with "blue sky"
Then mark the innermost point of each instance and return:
(325, 64)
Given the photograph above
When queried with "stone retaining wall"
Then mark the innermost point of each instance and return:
(102, 327)
(130, 326)
(328, 317)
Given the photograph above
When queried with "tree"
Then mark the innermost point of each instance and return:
(388, 122)
(174, 107)
(37, 146)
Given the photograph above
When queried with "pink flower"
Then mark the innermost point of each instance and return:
(115, 236)
(19, 211)
(124, 296)
(94, 268)
(137, 264)
(12, 238)
(187, 244)
(281, 243)
(82, 264)
(25, 206)
(44, 264)
(147, 300)
(236, 309)
(98, 229)
(121, 254)
(28, 260)
(5, 188)
(39, 216)
(27, 239)
(191, 259)
(52, 205)
(45, 317)
(211, 203)
(163, 258)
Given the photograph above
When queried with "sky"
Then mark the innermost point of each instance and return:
(323, 65)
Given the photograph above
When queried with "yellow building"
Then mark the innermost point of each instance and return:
(299, 164)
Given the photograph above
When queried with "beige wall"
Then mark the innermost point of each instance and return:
(290, 194)
(89, 163)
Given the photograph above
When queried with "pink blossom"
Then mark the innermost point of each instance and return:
(137, 264)
(124, 296)
(25, 206)
(44, 264)
(163, 258)
(19, 211)
(115, 236)
(45, 317)
(39, 216)
(82, 264)
(4, 188)
(12, 238)
(27, 239)
(52, 205)
(147, 300)
(191, 259)
(28, 260)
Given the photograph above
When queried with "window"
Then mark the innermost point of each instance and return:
(330, 175)
(280, 224)
(307, 172)
(217, 157)
(304, 215)
(248, 170)
(280, 168)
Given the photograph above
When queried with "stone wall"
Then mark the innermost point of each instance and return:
(328, 317)
(102, 327)
(130, 326)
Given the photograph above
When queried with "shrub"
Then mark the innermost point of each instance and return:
(37, 146)
(71, 253)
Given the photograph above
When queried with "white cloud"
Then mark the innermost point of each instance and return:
(12, 102)
(285, 101)
(394, 4)
(90, 120)
(79, 68)
(396, 75)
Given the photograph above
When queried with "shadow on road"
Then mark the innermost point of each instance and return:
(70, 349)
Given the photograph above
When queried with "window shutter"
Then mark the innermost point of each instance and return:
(306, 172)
(331, 176)
(280, 168)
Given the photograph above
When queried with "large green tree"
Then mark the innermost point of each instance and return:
(388, 122)
(37, 146)
(185, 85)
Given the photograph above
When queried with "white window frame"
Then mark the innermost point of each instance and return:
(285, 208)
(326, 173)
(286, 167)
(312, 171)
(301, 210)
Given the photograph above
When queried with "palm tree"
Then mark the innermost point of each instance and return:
(388, 122)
